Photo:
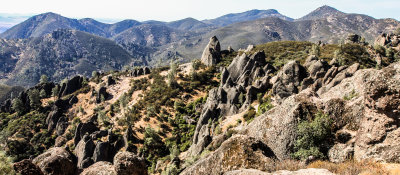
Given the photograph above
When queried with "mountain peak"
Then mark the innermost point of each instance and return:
(321, 12)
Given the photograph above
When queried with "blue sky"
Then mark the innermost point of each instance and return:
(170, 10)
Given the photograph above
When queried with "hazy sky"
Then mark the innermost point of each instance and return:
(169, 10)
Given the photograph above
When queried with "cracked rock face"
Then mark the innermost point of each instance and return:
(237, 152)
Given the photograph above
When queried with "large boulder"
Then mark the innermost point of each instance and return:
(84, 152)
(53, 117)
(212, 53)
(56, 161)
(100, 168)
(102, 152)
(26, 167)
(238, 152)
(102, 93)
(379, 134)
(127, 163)
(288, 80)
(278, 127)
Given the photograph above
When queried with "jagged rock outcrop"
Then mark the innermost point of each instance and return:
(53, 118)
(71, 86)
(238, 152)
(102, 94)
(84, 152)
(103, 168)
(102, 152)
(390, 40)
(278, 127)
(245, 75)
(56, 161)
(110, 81)
(26, 167)
(288, 80)
(353, 38)
(83, 129)
(127, 163)
(212, 53)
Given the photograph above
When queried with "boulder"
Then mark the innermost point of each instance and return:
(56, 161)
(146, 70)
(212, 53)
(100, 168)
(288, 80)
(84, 128)
(102, 152)
(238, 152)
(278, 127)
(52, 118)
(84, 152)
(127, 163)
(110, 81)
(71, 86)
(101, 93)
(353, 38)
(26, 167)
(62, 125)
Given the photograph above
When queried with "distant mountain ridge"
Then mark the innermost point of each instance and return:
(322, 12)
(63, 53)
(246, 16)
(156, 43)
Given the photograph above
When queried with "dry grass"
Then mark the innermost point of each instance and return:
(352, 167)
(290, 165)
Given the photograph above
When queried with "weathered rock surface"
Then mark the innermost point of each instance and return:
(26, 167)
(238, 152)
(245, 75)
(309, 171)
(288, 80)
(127, 163)
(100, 168)
(278, 127)
(71, 86)
(56, 161)
(212, 53)
(84, 152)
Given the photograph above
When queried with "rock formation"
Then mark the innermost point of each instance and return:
(211, 54)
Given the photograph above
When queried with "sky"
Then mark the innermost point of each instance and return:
(170, 10)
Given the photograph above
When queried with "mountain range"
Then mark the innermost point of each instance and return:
(155, 43)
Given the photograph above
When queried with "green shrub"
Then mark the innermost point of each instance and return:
(264, 107)
(313, 137)
(249, 115)
(6, 164)
(350, 96)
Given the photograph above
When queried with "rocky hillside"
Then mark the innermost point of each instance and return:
(156, 43)
(61, 54)
(246, 16)
(281, 107)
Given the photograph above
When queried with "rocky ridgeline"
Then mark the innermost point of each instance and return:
(363, 103)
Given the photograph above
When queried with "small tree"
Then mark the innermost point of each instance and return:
(313, 136)
(171, 75)
(34, 98)
(43, 93)
(55, 91)
(18, 106)
(44, 79)
(315, 50)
